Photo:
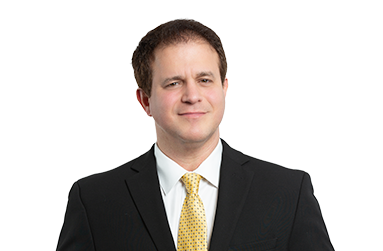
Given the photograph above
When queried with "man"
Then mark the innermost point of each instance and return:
(191, 191)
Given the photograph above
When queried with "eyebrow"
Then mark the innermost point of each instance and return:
(179, 77)
(167, 80)
(205, 74)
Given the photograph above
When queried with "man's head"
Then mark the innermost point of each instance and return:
(180, 68)
(171, 33)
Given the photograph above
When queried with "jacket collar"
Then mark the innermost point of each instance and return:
(144, 188)
(234, 187)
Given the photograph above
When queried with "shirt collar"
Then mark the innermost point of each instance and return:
(169, 172)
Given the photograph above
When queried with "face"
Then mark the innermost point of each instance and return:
(188, 98)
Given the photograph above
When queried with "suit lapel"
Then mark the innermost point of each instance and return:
(145, 191)
(234, 186)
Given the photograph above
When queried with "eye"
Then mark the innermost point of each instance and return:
(205, 80)
(173, 84)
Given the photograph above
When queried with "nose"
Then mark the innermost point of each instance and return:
(191, 94)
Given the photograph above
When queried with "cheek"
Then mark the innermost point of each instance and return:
(162, 105)
(216, 98)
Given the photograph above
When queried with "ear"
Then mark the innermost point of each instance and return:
(225, 86)
(144, 100)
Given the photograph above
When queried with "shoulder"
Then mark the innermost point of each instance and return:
(264, 170)
(117, 176)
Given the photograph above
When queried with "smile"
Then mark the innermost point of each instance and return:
(192, 114)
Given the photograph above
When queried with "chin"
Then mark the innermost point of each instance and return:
(197, 137)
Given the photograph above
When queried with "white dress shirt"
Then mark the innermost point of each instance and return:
(174, 192)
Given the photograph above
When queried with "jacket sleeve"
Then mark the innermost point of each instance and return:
(309, 231)
(76, 233)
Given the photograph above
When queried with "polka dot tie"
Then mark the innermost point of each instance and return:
(192, 228)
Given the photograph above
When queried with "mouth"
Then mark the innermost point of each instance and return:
(192, 114)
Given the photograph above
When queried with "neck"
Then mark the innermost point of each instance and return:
(188, 155)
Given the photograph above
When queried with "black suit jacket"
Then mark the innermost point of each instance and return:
(261, 206)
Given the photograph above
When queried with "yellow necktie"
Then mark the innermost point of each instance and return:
(192, 228)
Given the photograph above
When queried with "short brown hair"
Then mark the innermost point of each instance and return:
(173, 32)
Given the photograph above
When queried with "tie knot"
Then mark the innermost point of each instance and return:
(191, 181)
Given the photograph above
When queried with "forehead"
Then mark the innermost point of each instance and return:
(185, 54)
